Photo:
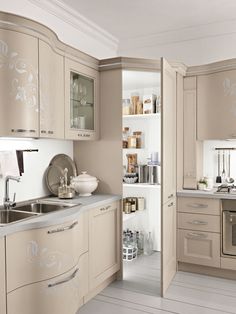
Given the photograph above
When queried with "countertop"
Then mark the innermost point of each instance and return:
(60, 216)
(206, 194)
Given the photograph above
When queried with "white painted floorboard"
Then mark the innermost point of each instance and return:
(139, 293)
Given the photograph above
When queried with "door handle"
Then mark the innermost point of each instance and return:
(63, 228)
(198, 222)
(72, 276)
(196, 205)
(197, 235)
(171, 204)
(170, 196)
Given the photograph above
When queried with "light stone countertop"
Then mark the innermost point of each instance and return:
(60, 216)
(206, 194)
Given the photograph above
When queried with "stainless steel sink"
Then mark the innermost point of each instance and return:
(44, 207)
(9, 216)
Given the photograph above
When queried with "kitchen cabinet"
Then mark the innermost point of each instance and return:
(61, 294)
(192, 148)
(40, 254)
(104, 243)
(51, 92)
(18, 84)
(216, 106)
(81, 101)
(199, 231)
(2, 277)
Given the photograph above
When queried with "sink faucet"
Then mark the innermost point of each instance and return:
(6, 201)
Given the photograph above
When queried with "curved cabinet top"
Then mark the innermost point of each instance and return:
(24, 25)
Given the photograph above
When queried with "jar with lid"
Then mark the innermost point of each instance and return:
(132, 141)
(138, 136)
(125, 137)
(126, 107)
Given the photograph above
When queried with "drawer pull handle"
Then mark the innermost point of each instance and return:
(196, 205)
(63, 228)
(197, 235)
(198, 222)
(43, 131)
(50, 132)
(171, 204)
(105, 208)
(170, 196)
(108, 207)
(72, 276)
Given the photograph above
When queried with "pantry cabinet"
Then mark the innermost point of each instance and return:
(2, 277)
(61, 294)
(104, 243)
(18, 84)
(81, 101)
(51, 92)
(216, 106)
(40, 254)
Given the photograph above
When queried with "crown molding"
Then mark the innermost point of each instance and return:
(78, 21)
(181, 35)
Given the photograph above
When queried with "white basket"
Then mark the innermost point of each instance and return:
(129, 253)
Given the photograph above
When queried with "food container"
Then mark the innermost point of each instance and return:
(84, 184)
(149, 103)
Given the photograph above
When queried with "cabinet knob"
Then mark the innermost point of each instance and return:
(171, 204)
(50, 132)
(170, 196)
(43, 131)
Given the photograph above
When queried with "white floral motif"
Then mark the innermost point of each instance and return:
(24, 85)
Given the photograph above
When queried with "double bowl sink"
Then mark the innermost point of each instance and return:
(30, 210)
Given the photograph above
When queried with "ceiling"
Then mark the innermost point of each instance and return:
(126, 19)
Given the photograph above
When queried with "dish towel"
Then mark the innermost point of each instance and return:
(8, 164)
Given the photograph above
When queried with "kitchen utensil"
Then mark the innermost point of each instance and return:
(223, 170)
(229, 179)
(218, 178)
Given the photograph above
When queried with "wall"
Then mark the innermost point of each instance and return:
(71, 28)
(32, 183)
(210, 165)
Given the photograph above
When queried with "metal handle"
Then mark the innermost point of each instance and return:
(196, 205)
(50, 132)
(43, 131)
(22, 131)
(170, 196)
(63, 228)
(72, 276)
(197, 235)
(233, 135)
(198, 222)
(105, 208)
(171, 204)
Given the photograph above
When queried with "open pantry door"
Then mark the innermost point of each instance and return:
(168, 181)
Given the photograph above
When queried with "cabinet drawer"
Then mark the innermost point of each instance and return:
(199, 222)
(60, 295)
(199, 205)
(200, 248)
(40, 254)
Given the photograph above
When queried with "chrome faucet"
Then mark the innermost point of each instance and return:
(7, 203)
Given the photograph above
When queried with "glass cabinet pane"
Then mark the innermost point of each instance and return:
(81, 102)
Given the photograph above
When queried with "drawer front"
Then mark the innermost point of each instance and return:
(200, 248)
(60, 295)
(199, 222)
(40, 254)
(199, 205)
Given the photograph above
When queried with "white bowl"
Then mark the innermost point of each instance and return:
(84, 184)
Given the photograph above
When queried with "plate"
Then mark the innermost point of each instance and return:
(53, 174)
(64, 161)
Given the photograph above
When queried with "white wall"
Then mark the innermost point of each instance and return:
(32, 183)
(64, 25)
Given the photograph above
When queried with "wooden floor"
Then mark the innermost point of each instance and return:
(139, 293)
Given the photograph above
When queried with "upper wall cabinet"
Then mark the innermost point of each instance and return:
(51, 92)
(18, 84)
(216, 106)
(81, 103)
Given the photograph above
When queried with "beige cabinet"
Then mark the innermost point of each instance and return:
(216, 105)
(40, 254)
(104, 243)
(18, 84)
(81, 101)
(202, 248)
(2, 277)
(192, 148)
(51, 92)
(197, 205)
(60, 295)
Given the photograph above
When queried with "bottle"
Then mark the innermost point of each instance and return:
(148, 244)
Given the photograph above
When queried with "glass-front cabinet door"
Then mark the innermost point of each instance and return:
(81, 112)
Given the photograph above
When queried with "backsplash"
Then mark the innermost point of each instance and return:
(32, 183)
(210, 161)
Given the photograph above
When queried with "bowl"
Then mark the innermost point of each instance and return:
(130, 178)
(84, 184)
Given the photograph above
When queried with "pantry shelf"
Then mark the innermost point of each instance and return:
(142, 185)
(142, 116)
(127, 217)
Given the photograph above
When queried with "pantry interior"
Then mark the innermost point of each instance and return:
(141, 107)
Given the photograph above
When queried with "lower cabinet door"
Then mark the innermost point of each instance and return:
(60, 295)
(200, 248)
(104, 243)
